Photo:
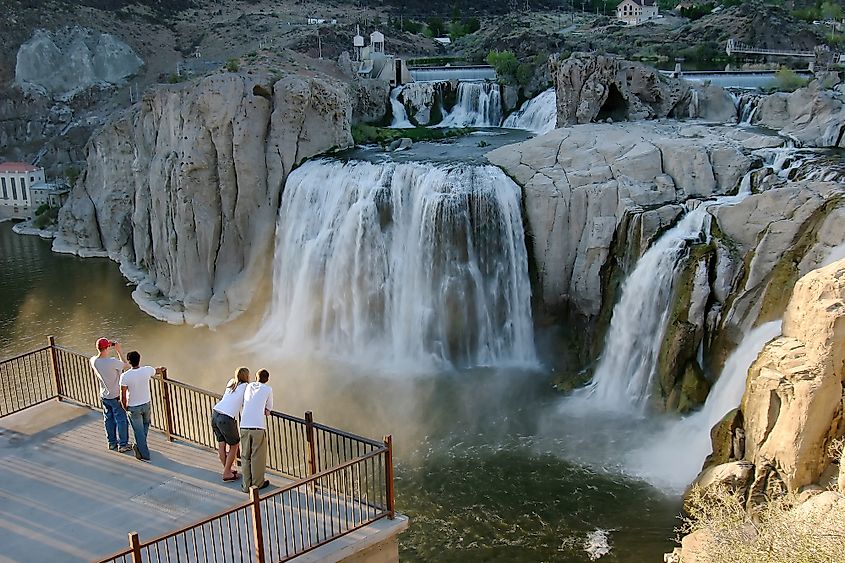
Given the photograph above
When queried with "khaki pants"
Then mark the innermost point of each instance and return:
(253, 457)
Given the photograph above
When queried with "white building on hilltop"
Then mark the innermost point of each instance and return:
(635, 12)
(16, 179)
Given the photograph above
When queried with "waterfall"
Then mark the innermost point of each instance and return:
(673, 456)
(746, 107)
(539, 114)
(400, 116)
(624, 376)
(479, 105)
(389, 263)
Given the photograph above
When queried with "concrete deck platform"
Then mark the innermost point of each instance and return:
(65, 497)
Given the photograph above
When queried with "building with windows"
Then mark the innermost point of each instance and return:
(374, 62)
(635, 12)
(16, 181)
(51, 194)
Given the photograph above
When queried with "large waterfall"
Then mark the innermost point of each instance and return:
(539, 114)
(479, 105)
(391, 263)
(400, 116)
(624, 376)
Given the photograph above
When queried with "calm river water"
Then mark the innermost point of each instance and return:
(488, 468)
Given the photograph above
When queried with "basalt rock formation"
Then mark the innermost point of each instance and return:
(592, 87)
(183, 190)
(814, 115)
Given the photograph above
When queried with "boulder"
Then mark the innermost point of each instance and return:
(793, 398)
(814, 115)
(734, 476)
(183, 190)
(711, 103)
(593, 87)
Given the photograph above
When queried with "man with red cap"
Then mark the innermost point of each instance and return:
(108, 370)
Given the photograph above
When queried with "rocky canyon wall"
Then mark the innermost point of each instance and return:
(183, 189)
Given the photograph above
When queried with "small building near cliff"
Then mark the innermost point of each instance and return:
(51, 194)
(374, 62)
(16, 181)
(635, 12)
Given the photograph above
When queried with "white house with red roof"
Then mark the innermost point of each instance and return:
(634, 12)
(16, 179)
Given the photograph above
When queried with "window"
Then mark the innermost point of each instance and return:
(14, 189)
(23, 189)
(3, 184)
(31, 179)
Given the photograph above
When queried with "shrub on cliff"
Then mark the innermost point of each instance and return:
(787, 80)
(777, 533)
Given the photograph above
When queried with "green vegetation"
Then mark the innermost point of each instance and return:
(787, 80)
(71, 173)
(511, 70)
(46, 217)
(232, 65)
(41, 209)
(697, 11)
(776, 533)
(436, 26)
(365, 134)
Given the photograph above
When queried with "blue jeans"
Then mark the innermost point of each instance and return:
(139, 418)
(114, 419)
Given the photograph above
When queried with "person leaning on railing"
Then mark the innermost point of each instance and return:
(258, 402)
(224, 424)
(135, 398)
(107, 370)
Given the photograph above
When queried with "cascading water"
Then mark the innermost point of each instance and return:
(539, 114)
(391, 263)
(400, 116)
(479, 105)
(624, 376)
(746, 107)
(673, 457)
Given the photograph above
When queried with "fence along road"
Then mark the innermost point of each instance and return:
(341, 481)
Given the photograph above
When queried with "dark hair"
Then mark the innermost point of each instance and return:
(263, 375)
(134, 358)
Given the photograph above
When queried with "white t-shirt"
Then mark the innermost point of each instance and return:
(257, 397)
(137, 382)
(108, 372)
(232, 401)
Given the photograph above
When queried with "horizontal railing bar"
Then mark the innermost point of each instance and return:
(333, 537)
(42, 401)
(326, 472)
(197, 524)
(349, 435)
(25, 354)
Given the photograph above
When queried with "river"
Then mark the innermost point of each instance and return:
(488, 468)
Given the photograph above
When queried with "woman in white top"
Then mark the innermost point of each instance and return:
(224, 424)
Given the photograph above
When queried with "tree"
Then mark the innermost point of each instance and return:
(436, 26)
(831, 11)
(472, 25)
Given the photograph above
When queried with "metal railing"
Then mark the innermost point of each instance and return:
(342, 481)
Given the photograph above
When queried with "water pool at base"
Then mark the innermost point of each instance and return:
(488, 466)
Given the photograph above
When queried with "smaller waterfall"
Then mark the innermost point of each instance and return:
(746, 107)
(539, 114)
(674, 455)
(400, 116)
(624, 377)
(479, 105)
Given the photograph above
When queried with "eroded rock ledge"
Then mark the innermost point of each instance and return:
(183, 190)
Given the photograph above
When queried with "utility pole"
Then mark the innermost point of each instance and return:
(319, 46)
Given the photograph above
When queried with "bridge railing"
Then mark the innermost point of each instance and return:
(342, 481)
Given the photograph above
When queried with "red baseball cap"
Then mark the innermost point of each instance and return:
(103, 343)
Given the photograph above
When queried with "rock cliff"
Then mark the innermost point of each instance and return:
(183, 189)
(62, 63)
(814, 115)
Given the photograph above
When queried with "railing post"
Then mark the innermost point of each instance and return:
(168, 412)
(135, 545)
(257, 532)
(388, 476)
(312, 450)
(54, 366)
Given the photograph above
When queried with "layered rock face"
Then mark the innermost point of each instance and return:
(68, 61)
(596, 196)
(184, 189)
(593, 87)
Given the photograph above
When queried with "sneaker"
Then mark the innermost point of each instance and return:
(265, 484)
(113, 447)
(138, 454)
(126, 448)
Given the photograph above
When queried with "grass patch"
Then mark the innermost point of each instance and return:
(365, 134)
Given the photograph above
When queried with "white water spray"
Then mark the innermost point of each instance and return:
(539, 114)
(400, 116)
(401, 263)
(674, 456)
(479, 105)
